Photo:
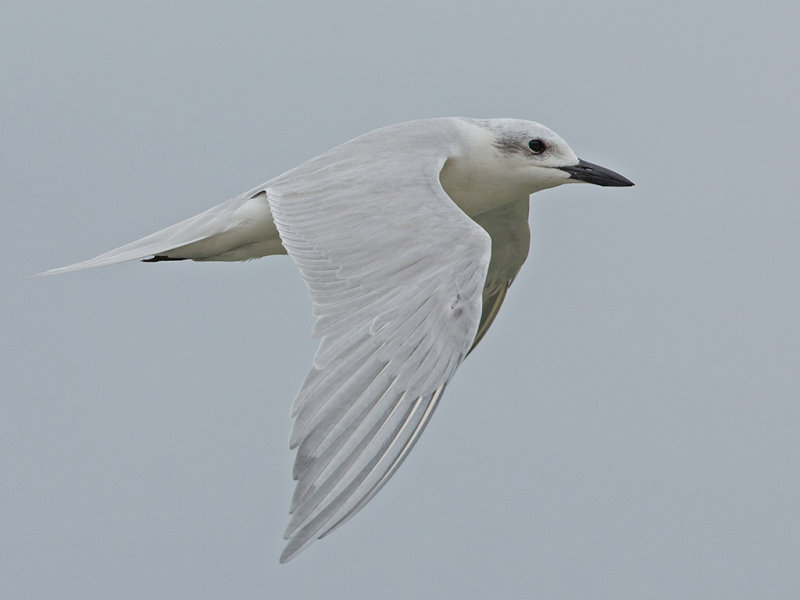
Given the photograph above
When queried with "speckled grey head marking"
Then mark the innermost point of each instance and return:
(504, 141)
(508, 144)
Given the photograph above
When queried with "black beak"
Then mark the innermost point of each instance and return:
(586, 171)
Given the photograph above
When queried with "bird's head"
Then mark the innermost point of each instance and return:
(535, 158)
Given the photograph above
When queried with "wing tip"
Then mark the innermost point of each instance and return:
(295, 546)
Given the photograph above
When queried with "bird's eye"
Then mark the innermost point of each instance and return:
(537, 146)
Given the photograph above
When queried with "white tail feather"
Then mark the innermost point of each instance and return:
(238, 229)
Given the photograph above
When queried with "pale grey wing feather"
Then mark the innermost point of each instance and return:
(511, 239)
(395, 272)
(492, 301)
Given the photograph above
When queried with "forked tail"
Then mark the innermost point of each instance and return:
(238, 229)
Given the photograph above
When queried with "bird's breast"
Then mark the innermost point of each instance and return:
(476, 189)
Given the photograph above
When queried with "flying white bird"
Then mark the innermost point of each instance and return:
(407, 238)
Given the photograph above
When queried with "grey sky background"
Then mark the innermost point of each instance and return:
(628, 428)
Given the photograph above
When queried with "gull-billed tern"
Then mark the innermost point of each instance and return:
(407, 238)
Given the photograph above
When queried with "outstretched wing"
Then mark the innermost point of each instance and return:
(395, 271)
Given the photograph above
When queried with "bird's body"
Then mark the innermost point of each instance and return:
(407, 238)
